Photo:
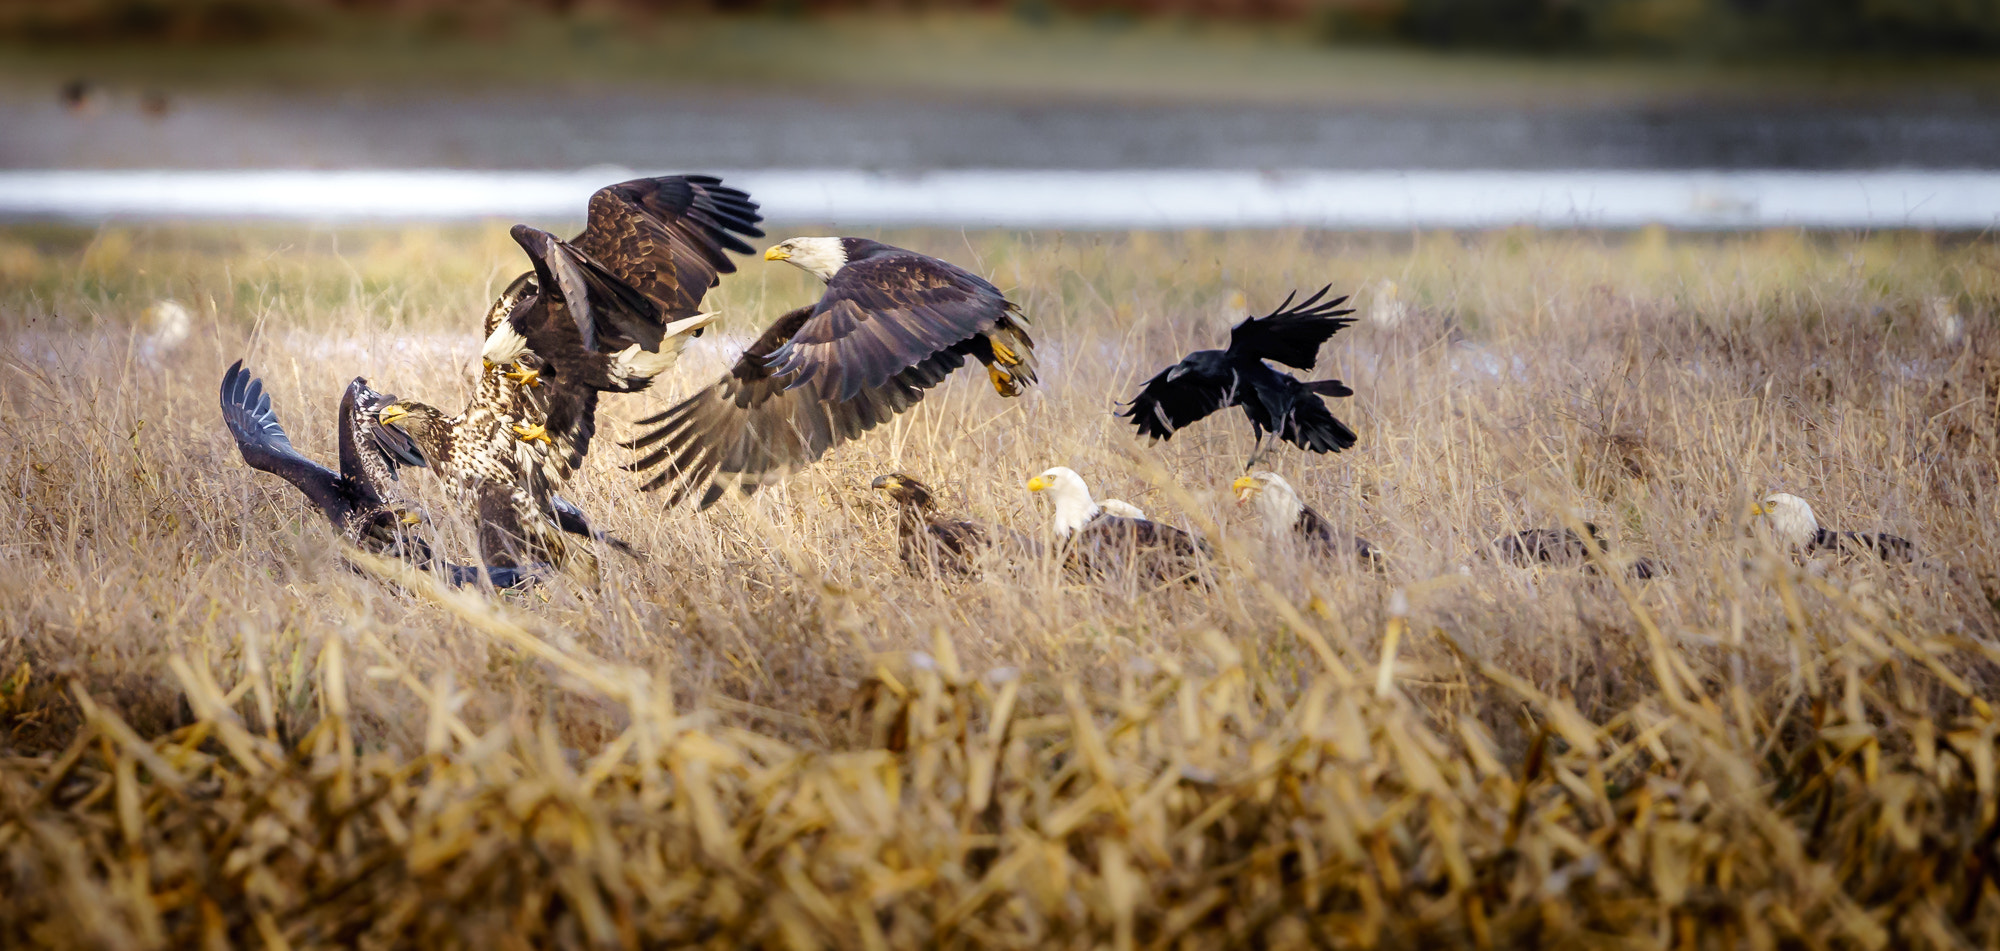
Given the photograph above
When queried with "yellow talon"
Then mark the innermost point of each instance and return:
(528, 379)
(1002, 354)
(532, 433)
(1003, 382)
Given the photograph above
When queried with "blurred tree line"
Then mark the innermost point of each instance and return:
(1708, 27)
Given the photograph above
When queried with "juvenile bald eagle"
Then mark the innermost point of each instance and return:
(929, 542)
(1094, 542)
(1276, 403)
(606, 311)
(1286, 517)
(1563, 547)
(891, 325)
(360, 500)
(1793, 523)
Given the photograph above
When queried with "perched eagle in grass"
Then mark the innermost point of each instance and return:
(1793, 523)
(1287, 517)
(606, 311)
(1276, 403)
(1564, 548)
(358, 500)
(930, 543)
(1095, 542)
(891, 325)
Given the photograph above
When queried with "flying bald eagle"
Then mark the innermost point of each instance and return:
(1287, 517)
(606, 311)
(1276, 403)
(359, 501)
(1792, 521)
(891, 325)
(1095, 542)
(1563, 547)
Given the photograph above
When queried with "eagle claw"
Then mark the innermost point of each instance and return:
(533, 433)
(528, 379)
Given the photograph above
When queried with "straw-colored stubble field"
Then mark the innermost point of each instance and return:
(768, 733)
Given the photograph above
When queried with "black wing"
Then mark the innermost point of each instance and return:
(1295, 411)
(885, 314)
(571, 519)
(756, 425)
(1291, 334)
(1166, 405)
(246, 410)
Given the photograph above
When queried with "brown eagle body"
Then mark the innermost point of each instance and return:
(1287, 517)
(929, 543)
(1563, 547)
(606, 311)
(1094, 544)
(359, 501)
(891, 325)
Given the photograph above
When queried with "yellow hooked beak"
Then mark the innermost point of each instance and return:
(1757, 508)
(1245, 488)
(1037, 484)
(778, 252)
(412, 518)
(391, 414)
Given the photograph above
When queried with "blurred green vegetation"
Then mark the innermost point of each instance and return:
(1692, 27)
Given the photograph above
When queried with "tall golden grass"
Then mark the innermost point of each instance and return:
(768, 734)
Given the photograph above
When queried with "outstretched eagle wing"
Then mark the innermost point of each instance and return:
(1291, 334)
(882, 315)
(666, 237)
(756, 425)
(1168, 403)
(246, 410)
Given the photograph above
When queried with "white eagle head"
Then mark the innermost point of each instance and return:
(1791, 519)
(823, 257)
(1074, 509)
(1275, 499)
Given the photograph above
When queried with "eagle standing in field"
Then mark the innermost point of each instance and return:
(359, 500)
(1095, 542)
(928, 542)
(1288, 517)
(1563, 547)
(1276, 403)
(606, 311)
(1792, 520)
(891, 325)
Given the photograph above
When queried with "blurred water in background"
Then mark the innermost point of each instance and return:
(1130, 198)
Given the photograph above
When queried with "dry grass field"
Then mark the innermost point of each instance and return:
(214, 733)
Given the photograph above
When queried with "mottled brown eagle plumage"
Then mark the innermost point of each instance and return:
(606, 311)
(360, 501)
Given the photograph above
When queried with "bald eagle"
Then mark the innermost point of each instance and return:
(891, 325)
(1276, 403)
(1287, 517)
(359, 501)
(1094, 542)
(1792, 521)
(930, 543)
(606, 311)
(1563, 547)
